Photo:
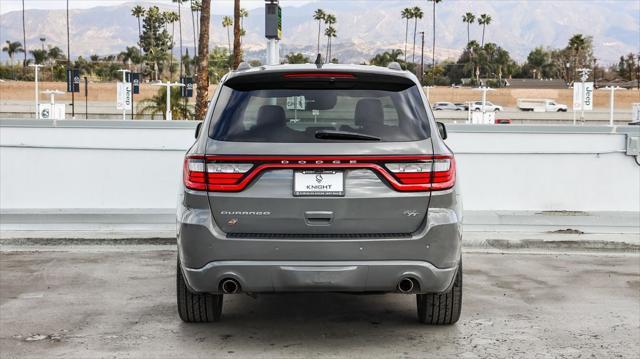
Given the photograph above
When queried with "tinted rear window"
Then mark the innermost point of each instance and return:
(284, 114)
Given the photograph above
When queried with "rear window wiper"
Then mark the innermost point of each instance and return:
(344, 135)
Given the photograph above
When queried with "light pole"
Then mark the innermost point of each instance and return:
(37, 66)
(638, 72)
(86, 98)
(273, 31)
(422, 62)
(612, 90)
(168, 85)
(73, 97)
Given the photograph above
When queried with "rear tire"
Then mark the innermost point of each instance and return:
(196, 307)
(441, 308)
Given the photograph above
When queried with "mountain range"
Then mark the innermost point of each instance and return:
(364, 27)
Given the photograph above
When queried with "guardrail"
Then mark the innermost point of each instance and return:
(123, 166)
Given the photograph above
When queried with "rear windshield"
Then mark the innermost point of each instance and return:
(283, 114)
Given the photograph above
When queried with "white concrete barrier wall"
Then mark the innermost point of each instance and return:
(111, 165)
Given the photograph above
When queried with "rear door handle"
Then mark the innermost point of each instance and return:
(318, 218)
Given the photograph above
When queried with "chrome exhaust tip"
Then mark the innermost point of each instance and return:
(405, 285)
(230, 286)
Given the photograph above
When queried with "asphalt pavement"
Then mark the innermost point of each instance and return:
(119, 301)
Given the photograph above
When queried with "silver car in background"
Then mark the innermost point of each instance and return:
(448, 106)
(308, 178)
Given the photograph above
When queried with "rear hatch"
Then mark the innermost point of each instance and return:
(320, 153)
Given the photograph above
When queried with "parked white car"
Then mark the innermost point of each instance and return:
(541, 105)
(488, 107)
(438, 106)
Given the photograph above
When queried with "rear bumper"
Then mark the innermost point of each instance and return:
(309, 276)
(430, 256)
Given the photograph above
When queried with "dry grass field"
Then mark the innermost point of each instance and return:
(106, 92)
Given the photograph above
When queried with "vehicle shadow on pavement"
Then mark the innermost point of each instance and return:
(310, 321)
(322, 307)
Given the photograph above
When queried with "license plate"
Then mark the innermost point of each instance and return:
(318, 183)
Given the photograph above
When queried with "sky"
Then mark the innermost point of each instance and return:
(221, 6)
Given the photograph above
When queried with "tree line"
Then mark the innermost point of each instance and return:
(160, 53)
(490, 64)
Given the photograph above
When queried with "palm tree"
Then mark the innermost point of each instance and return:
(469, 19)
(179, 2)
(131, 55)
(195, 9)
(417, 14)
(202, 87)
(329, 20)
(227, 22)
(158, 105)
(39, 56)
(319, 15)
(407, 14)
(433, 49)
(386, 57)
(243, 13)
(473, 48)
(24, 36)
(484, 20)
(330, 32)
(54, 55)
(138, 12)
(577, 43)
(237, 51)
(171, 17)
(12, 48)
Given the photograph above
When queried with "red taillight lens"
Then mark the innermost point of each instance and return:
(404, 173)
(437, 173)
(193, 174)
(202, 175)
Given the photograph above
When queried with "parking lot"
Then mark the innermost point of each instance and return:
(118, 301)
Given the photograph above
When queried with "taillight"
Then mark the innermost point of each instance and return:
(219, 173)
(437, 173)
(202, 175)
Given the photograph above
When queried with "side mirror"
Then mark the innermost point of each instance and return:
(442, 129)
(198, 127)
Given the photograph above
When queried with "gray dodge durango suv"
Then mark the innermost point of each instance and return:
(311, 178)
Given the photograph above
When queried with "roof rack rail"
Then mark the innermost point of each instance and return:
(394, 66)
